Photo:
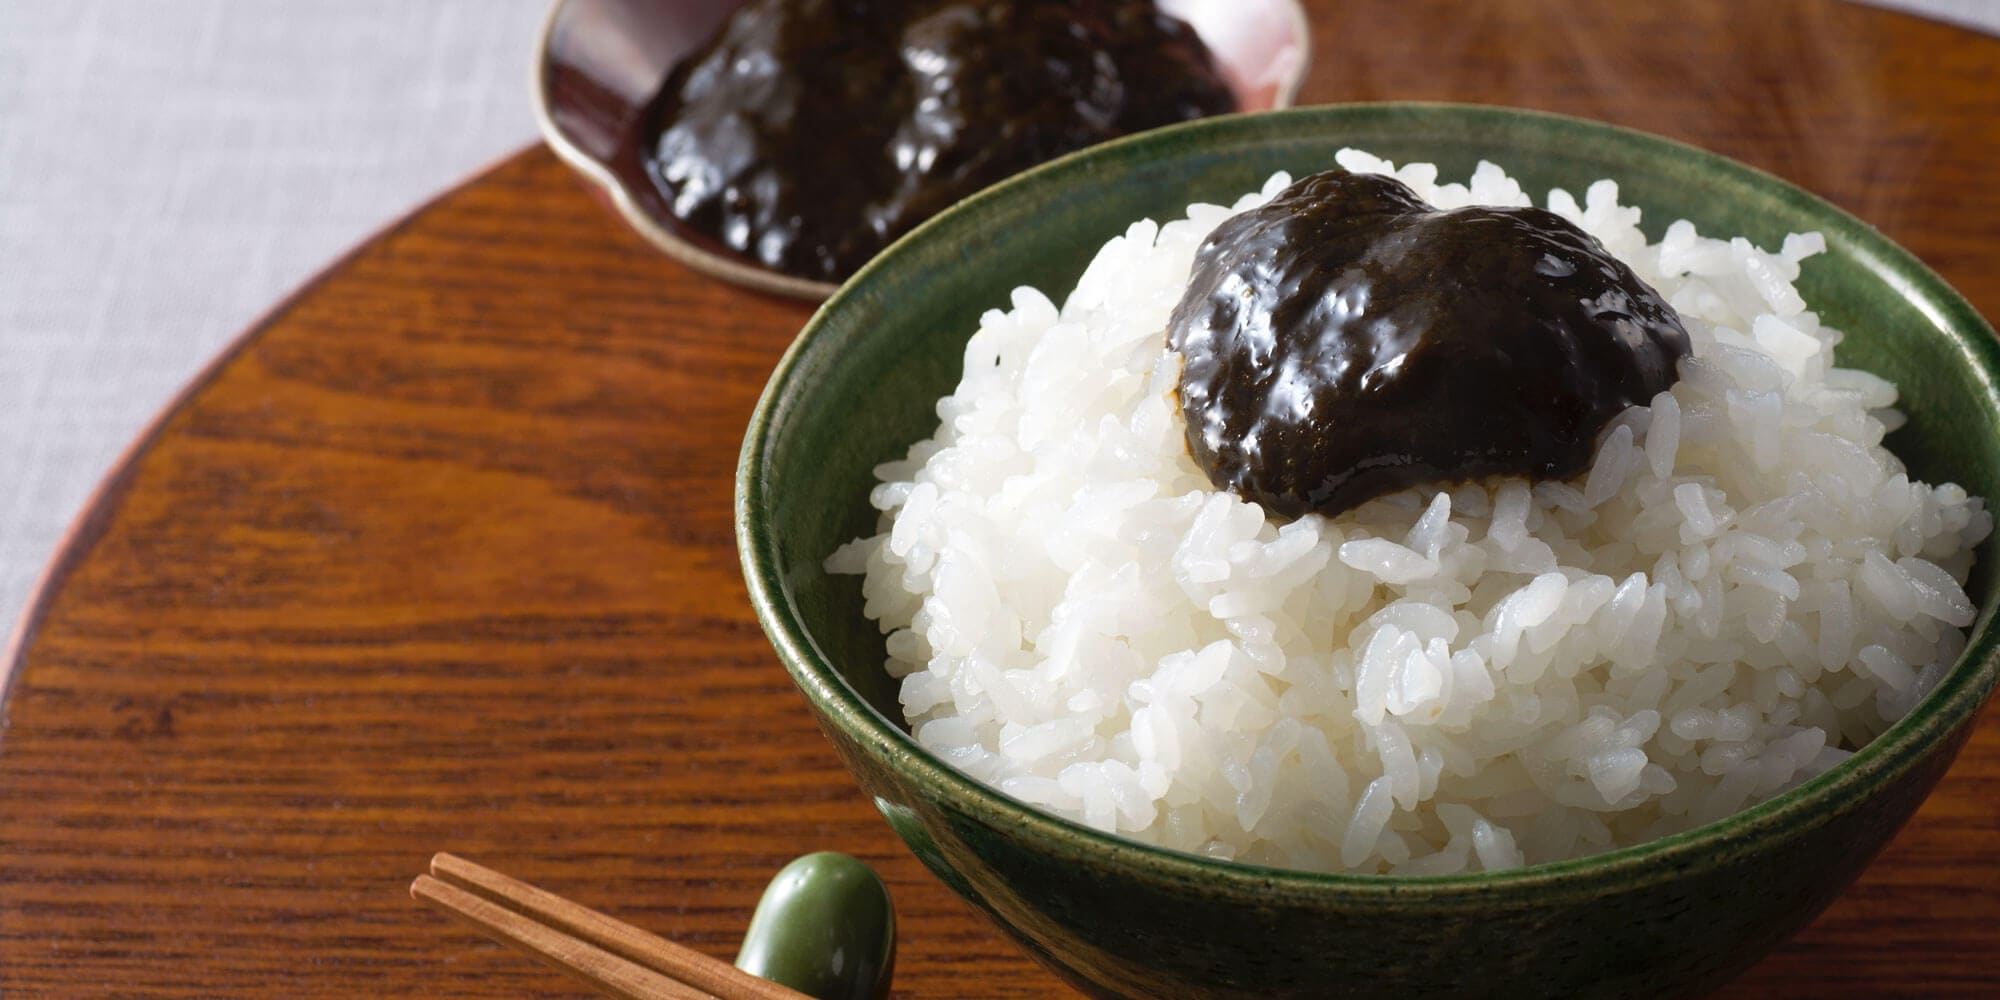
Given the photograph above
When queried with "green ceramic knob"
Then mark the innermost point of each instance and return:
(825, 927)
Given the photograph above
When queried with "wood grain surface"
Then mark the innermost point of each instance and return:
(439, 558)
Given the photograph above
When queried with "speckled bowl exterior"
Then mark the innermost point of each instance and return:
(1669, 918)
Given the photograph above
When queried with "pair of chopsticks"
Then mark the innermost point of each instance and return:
(617, 958)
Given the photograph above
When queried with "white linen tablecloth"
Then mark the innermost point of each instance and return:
(171, 168)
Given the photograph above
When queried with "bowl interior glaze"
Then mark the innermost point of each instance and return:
(858, 387)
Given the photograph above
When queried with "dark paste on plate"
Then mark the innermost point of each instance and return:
(1346, 340)
(809, 134)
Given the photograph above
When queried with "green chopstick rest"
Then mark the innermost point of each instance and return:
(824, 927)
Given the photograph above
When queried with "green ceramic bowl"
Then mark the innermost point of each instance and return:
(1672, 917)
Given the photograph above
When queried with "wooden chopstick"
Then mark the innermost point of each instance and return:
(612, 975)
(618, 958)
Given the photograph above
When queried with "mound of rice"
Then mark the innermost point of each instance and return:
(1744, 583)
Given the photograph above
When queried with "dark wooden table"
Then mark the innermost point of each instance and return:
(438, 556)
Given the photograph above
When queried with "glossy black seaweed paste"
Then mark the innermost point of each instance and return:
(809, 134)
(1346, 340)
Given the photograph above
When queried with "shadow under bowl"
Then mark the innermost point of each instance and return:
(1670, 917)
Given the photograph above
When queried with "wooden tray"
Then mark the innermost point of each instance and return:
(438, 556)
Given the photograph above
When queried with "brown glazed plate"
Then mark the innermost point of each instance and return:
(599, 62)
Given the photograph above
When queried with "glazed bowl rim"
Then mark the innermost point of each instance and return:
(1957, 697)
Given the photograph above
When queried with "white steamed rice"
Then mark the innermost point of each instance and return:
(1744, 583)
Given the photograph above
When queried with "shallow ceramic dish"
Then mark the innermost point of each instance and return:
(598, 63)
(1671, 917)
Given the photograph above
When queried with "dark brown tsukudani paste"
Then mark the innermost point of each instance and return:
(809, 134)
(1346, 340)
